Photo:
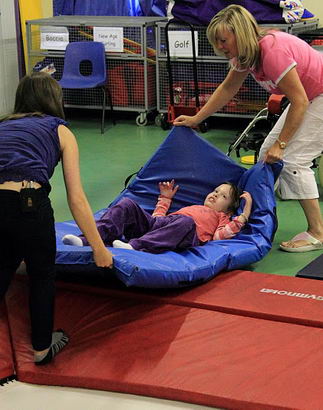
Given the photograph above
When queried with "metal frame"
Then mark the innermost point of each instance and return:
(262, 115)
(142, 32)
(207, 56)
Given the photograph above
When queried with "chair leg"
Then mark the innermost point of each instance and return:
(111, 106)
(103, 110)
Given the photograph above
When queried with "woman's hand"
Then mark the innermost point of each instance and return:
(186, 121)
(103, 258)
(274, 154)
(167, 188)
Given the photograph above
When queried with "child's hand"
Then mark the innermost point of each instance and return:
(248, 203)
(167, 188)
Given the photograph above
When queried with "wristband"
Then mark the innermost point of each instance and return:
(282, 144)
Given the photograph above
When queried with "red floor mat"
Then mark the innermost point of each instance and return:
(254, 294)
(175, 352)
(6, 357)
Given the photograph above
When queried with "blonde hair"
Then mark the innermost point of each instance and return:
(243, 25)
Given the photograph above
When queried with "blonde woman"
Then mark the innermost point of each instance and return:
(282, 64)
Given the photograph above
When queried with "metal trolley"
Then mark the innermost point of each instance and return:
(180, 105)
(131, 72)
(212, 69)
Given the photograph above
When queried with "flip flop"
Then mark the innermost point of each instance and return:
(314, 244)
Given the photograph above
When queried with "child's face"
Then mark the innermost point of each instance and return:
(220, 199)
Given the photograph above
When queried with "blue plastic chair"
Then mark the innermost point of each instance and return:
(87, 52)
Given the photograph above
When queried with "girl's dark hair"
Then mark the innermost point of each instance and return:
(236, 192)
(38, 94)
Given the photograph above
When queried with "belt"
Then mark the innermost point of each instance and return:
(17, 186)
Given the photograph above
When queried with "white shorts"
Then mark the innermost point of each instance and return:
(297, 179)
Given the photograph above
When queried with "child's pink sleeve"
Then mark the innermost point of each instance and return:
(227, 229)
(162, 206)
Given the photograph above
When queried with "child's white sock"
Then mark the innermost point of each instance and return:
(72, 240)
(120, 244)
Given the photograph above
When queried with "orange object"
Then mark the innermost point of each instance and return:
(275, 103)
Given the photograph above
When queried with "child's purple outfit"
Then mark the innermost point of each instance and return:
(152, 234)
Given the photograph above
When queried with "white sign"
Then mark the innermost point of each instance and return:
(111, 37)
(53, 38)
(180, 43)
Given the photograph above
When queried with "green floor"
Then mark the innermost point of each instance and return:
(106, 160)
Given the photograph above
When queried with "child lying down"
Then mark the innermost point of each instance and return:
(189, 226)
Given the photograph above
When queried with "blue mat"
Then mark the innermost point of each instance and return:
(197, 166)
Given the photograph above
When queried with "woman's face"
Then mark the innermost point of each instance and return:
(226, 43)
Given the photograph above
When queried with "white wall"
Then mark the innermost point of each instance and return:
(315, 7)
(9, 74)
(47, 8)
